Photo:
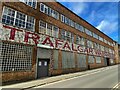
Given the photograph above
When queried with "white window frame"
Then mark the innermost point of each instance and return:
(26, 16)
(27, 2)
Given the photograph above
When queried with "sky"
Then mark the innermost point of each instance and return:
(102, 15)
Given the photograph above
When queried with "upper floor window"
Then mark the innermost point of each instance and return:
(105, 41)
(81, 28)
(32, 3)
(100, 38)
(80, 40)
(88, 32)
(89, 43)
(96, 46)
(18, 19)
(72, 23)
(47, 10)
(102, 48)
(95, 36)
(48, 29)
(66, 35)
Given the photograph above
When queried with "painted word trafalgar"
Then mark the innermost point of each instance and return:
(8, 33)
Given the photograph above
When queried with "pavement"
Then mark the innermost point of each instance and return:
(40, 82)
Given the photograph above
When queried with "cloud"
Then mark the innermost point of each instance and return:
(78, 8)
(88, 0)
(107, 27)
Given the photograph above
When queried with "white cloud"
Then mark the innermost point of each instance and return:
(88, 0)
(107, 27)
(77, 8)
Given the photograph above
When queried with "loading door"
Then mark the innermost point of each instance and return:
(108, 61)
(42, 68)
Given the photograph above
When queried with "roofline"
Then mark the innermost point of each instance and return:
(84, 20)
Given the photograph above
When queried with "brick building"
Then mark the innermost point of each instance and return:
(40, 39)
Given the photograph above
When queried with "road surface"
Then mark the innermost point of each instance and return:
(103, 79)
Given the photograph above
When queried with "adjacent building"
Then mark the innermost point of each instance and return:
(39, 39)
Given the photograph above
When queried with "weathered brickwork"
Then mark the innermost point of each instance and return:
(27, 75)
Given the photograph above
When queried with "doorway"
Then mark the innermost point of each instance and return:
(108, 61)
(42, 68)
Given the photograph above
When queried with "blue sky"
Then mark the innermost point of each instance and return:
(102, 15)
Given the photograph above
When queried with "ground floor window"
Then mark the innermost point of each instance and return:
(81, 59)
(91, 59)
(15, 57)
(55, 58)
(68, 60)
(98, 59)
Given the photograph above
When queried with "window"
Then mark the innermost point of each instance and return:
(55, 59)
(105, 41)
(66, 35)
(8, 16)
(72, 23)
(81, 58)
(91, 59)
(76, 26)
(95, 35)
(30, 23)
(32, 3)
(102, 48)
(15, 57)
(100, 38)
(49, 29)
(62, 18)
(80, 40)
(47, 10)
(89, 43)
(98, 60)
(88, 32)
(42, 27)
(68, 60)
(81, 28)
(18, 19)
(42, 7)
(55, 31)
(63, 34)
(96, 46)
(106, 49)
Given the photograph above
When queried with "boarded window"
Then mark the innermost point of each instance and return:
(81, 58)
(98, 59)
(55, 58)
(91, 59)
(68, 60)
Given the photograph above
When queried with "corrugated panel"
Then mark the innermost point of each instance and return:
(68, 60)
(64, 60)
(43, 53)
(98, 59)
(91, 59)
(72, 60)
(81, 60)
(55, 58)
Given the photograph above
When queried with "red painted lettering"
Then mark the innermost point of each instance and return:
(33, 36)
(66, 45)
(48, 41)
(73, 47)
(12, 32)
(58, 42)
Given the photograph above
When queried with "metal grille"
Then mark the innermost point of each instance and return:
(15, 57)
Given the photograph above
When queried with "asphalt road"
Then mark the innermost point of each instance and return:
(103, 79)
